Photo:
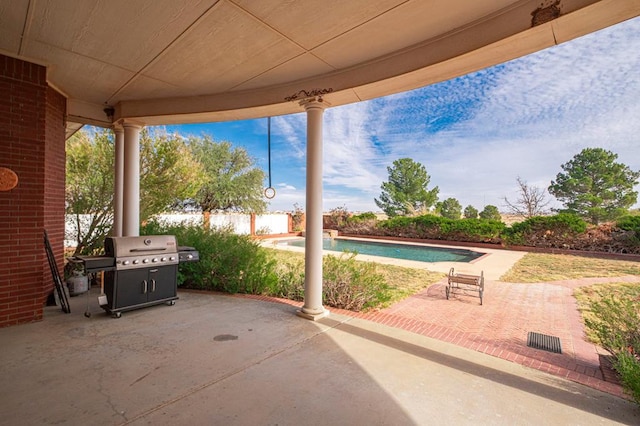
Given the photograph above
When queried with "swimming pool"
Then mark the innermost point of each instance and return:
(396, 251)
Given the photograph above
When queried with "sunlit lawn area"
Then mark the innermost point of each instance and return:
(540, 267)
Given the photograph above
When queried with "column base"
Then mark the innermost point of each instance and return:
(312, 316)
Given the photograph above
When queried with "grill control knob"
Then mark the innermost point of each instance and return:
(136, 261)
(145, 260)
(126, 262)
(189, 256)
(172, 258)
(155, 259)
(164, 259)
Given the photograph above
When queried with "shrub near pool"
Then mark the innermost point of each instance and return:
(228, 262)
(238, 264)
(346, 282)
(611, 313)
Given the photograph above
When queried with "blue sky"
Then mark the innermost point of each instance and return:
(475, 134)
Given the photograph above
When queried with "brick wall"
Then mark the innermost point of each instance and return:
(32, 145)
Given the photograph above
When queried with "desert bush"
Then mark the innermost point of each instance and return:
(475, 230)
(399, 226)
(362, 217)
(441, 228)
(557, 231)
(628, 234)
(337, 218)
(297, 217)
(615, 323)
(228, 262)
(346, 283)
(628, 367)
(290, 279)
(364, 224)
(349, 284)
(630, 223)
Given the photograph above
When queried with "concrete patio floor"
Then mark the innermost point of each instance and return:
(220, 359)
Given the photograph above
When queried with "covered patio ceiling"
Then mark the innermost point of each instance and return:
(182, 61)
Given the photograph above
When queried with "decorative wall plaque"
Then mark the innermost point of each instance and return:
(8, 179)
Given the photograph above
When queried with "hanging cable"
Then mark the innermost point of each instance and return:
(270, 191)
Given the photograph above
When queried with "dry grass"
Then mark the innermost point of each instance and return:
(539, 267)
(407, 281)
(403, 281)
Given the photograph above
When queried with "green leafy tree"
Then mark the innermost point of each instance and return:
(490, 213)
(406, 191)
(167, 173)
(449, 208)
(89, 189)
(594, 186)
(233, 182)
(470, 212)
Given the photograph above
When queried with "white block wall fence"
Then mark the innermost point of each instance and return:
(242, 224)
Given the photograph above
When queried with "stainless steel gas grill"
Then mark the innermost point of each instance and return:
(145, 274)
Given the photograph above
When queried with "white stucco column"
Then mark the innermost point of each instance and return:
(118, 166)
(131, 179)
(313, 308)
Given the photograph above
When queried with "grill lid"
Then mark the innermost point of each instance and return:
(143, 245)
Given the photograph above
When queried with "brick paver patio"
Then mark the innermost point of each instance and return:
(500, 326)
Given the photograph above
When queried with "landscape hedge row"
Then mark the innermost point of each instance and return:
(433, 227)
(564, 231)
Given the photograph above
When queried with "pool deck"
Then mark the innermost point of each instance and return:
(493, 264)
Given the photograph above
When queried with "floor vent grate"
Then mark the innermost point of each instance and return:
(544, 342)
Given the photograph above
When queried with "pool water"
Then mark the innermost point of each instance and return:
(396, 251)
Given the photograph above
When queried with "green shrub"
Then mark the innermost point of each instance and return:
(398, 226)
(630, 223)
(346, 283)
(475, 230)
(629, 237)
(615, 322)
(337, 218)
(628, 367)
(442, 228)
(228, 262)
(431, 226)
(349, 284)
(546, 231)
(362, 217)
(290, 279)
(364, 223)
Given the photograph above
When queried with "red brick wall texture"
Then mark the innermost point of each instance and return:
(32, 137)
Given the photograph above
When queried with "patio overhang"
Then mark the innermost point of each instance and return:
(167, 62)
(127, 64)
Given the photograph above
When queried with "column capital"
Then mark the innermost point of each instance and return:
(128, 122)
(314, 103)
(117, 128)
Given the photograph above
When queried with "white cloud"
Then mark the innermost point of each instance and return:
(286, 187)
(477, 134)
